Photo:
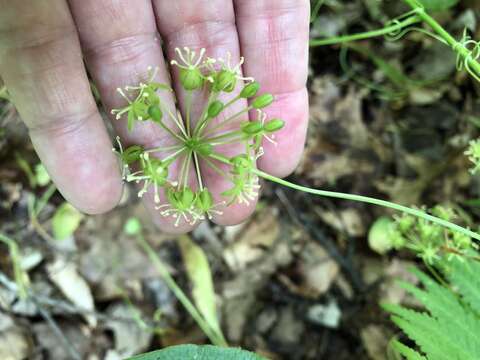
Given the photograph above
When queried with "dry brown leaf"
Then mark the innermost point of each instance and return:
(260, 234)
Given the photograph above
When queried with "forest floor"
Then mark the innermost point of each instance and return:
(298, 280)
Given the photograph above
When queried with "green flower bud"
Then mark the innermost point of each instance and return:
(462, 241)
(262, 101)
(155, 113)
(182, 199)
(225, 81)
(241, 164)
(274, 125)
(204, 149)
(405, 223)
(252, 128)
(140, 111)
(250, 90)
(379, 235)
(215, 108)
(204, 200)
(131, 154)
(157, 171)
(397, 240)
(191, 79)
(150, 96)
(443, 213)
(132, 226)
(187, 197)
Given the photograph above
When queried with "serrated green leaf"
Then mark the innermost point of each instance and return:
(65, 221)
(407, 352)
(195, 352)
(437, 5)
(198, 271)
(465, 275)
(449, 330)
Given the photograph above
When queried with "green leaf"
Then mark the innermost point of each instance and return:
(449, 330)
(195, 352)
(438, 5)
(198, 271)
(407, 352)
(65, 221)
(465, 275)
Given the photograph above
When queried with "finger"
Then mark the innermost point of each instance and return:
(118, 55)
(209, 25)
(41, 64)
(274, 40)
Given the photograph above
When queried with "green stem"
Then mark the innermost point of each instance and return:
(172, 157)
(366, 35)
(315, 10)
(223, 136)
(369, 200)
(208, 120)
(215, 337)
(21, 278)
(166, 128)
(187, 169)
(165, 149)
(216, 168)
(182, 172)
(176, 121)
(188, 111)
(197, 170)
(202, 120)
(226, 121)
(45, 198)
(449, 39)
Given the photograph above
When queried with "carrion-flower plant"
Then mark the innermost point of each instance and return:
(197, 139)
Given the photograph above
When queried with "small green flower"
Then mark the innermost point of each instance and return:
(153, 172)
(226, 78)
(145, 104)
(191, 76)
(429, 254)
(181, 206)
(204, 204)
(473, 153)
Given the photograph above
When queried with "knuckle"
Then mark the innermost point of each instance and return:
(62, 124)
(125, 49)
(206, 34)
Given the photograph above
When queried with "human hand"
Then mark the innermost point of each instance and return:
(43, 45)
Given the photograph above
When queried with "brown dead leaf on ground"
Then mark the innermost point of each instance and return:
(253, 242)
(109, 259)
(316, 272)
(15, 343)
(375, 339)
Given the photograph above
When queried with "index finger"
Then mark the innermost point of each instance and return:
(41, 64)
